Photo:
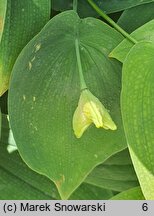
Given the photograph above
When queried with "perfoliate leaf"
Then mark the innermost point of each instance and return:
(44, 94)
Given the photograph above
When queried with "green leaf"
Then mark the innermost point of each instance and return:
(91, 192)
(138, 112)
(117, 173)
(120, 158)
(84, 9)
(0, 122)
(119, 5)
(24, 19)
(135, 17)
(131, 194)
(144, 33)
(17, 181)
(3, 6)
(44, 94)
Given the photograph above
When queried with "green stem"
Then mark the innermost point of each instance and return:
(107, 18)
(75, 5)
(82, 81)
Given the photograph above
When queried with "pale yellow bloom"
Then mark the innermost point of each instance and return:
(90, 110)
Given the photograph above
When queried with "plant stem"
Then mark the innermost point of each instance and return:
(75, 5)
(107, 18)
(82, 81)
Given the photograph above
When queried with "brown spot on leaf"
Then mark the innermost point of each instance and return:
(60, 181)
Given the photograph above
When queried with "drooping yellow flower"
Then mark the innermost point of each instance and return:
(90, 110)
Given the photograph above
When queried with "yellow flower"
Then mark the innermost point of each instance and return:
(90, 110)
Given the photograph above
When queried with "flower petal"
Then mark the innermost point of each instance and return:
(80, 122)
(92, 112)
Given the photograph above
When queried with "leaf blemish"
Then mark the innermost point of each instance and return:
(34, 98)
(36, 128)
(24, 97)
(95, 155)
(30, 65)
(60, 181)
(37, 47)
(33, 59)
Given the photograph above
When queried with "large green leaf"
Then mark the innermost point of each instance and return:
(135, 17)
(17, 181)
(0, 122)
(84, 9)
(138, 112)
(24, 19)
(117, 173)
(3, 6)
(131, 194)
(44, 94)
(145, 32)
